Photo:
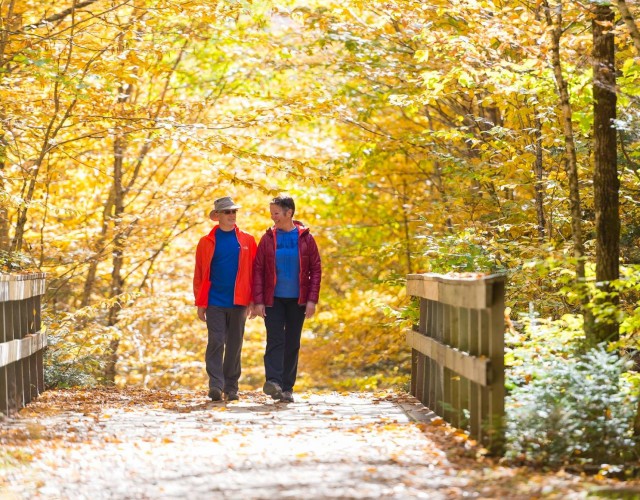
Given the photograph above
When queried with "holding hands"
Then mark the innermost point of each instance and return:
(257, 310)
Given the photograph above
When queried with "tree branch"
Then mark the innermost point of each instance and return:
(60, 15)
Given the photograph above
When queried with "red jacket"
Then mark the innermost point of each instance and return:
(264, 268)
(204, 254)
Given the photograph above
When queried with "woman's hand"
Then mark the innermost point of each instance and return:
(258, 310)
(310, 310)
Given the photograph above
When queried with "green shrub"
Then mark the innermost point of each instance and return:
(463, 252)
(577, 409)
(79, 344)
(65, 366)
(13, 262)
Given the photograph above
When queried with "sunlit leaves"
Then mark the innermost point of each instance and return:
(408, 132)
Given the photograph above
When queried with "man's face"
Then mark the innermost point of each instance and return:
(227, 218)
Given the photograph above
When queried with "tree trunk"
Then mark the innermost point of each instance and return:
(21, 220)
(405, 223)
(5, 242)
(119, 148)
(47, 144)
(626, 15)
(99, 249)
(539, 184)
(567, 128)
(118, 243)
(606, 184)
(9, 22)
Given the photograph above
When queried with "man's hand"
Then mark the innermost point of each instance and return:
(310, 310)
(258, 310)
(202, 313)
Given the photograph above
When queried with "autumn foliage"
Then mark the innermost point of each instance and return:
(414, 136)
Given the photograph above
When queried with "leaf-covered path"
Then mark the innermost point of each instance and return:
(135, 444)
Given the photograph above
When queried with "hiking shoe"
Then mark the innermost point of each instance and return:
(272, 389)
(287, 396)
(215, 394)
(231, 396)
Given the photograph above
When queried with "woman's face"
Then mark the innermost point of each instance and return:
(281, 217)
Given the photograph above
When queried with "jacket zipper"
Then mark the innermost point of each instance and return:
(275, 249)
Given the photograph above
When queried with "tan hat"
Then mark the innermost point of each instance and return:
(224, 203)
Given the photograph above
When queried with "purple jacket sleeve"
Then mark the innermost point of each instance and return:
(315, 271)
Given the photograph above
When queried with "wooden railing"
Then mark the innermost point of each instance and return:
(21, 341)
(457, 367)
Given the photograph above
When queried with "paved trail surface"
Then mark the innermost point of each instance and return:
(134, 444)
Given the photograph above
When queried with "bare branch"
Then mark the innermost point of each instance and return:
(60, 15)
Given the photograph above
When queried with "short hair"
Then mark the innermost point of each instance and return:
(284, 202)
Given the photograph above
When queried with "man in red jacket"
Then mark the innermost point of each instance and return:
(222, 284)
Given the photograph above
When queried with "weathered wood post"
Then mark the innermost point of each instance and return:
(22, 342)
(457, 367)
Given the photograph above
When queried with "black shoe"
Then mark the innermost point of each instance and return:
(231, 396)
(287, 396)
(215, 394)
(272, 389)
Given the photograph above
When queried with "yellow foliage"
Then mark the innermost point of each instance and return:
(393, 124)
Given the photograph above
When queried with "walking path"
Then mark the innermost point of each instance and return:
(135, 444)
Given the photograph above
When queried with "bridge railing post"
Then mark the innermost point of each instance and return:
(457, 367)
(22, 340)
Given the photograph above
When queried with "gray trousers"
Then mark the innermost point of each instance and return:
(226, 332)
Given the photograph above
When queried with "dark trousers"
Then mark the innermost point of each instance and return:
(226, 332)
(283, 322)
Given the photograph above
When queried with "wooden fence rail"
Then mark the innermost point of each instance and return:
(457, 367)
(22, 342)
